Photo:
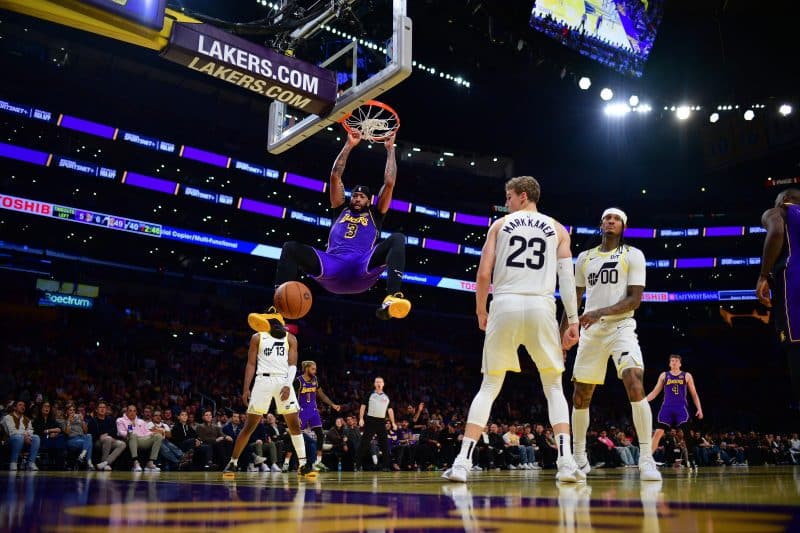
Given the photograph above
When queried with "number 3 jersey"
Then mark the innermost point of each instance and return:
(273, 355)
(606, 276)
(525, 255)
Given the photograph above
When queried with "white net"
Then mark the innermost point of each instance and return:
(373, 122)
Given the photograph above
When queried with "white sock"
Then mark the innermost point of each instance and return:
(580, 425)
(286, 460)
(467, 447)
(564, 447)
(82, 455)
(299, 448)
(375, 459)
(235, 461)
(643, 422)
(319, 460)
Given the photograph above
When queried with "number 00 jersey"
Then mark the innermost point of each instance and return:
(526, 255)
(606, 276)
(273, 355)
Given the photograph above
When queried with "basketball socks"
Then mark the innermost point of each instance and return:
(467, 447)
(580, 425)
(643, 422)
(235, 461)
(300, 448)
(564, 446)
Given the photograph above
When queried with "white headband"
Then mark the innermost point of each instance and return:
(615, 211)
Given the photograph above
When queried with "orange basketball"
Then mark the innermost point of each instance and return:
(292, 299)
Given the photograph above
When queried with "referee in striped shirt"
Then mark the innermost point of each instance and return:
(375, 423)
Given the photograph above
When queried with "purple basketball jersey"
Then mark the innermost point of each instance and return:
(345, 264)
(791, 274)
(674, 390)
(307, 393)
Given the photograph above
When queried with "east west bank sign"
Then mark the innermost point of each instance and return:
(218, 54)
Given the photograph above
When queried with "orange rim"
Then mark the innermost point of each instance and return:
(351, 119)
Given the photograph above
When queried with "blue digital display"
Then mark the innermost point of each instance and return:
(149, 13)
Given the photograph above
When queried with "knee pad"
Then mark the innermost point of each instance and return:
(482, 403)
(557, 408)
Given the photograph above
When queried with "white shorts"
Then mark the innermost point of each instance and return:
(515, 320)
(602, 340)
(266, 389)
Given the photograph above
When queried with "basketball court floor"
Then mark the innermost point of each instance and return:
(714, 499)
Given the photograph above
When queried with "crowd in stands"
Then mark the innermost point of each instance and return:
(150, 392)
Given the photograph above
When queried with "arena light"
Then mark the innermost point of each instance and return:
(633, 100)
(617, 110)
(683, 112)
(785, 109)
(714, 117)
(584, 83)
(749, 114)
(606, 94)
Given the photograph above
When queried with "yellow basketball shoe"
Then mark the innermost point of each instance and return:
(393, 306)
(260, 321)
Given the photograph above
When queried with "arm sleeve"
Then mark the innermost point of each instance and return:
(636, 267)
(566, 285)
(580, 273)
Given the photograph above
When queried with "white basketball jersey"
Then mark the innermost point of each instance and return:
(526, 255)
(606, 276)
(273, 355)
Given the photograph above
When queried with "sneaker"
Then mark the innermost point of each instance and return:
(102, 465)
(106, 468)
(275, 469)
(457, 473)
(648, 471)
(89, 465)
(260, 321)
(263, 467)
(535, 466)
(136, 467)
(583, 464)
(258, 460)
(252, 468)
(393, 306)
(151, 467)
(512, 467)
(475, 468)
(568, 471)
(320, 467)
(229, 470)
(31, 467)
(307, 471)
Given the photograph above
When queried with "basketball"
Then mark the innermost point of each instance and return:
(292, 299)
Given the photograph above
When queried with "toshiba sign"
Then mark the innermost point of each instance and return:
(12, 203)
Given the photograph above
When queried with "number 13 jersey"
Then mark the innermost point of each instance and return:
(525, 255)
(607, 275)
(273, 355)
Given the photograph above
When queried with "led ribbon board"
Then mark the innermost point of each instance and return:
(221, 55)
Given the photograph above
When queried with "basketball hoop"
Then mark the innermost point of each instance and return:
(374, 120)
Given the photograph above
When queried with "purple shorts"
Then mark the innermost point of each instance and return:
(310, 418)
(347, 273)
(673, 416)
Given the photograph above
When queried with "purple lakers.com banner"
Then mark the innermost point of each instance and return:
(221, 55)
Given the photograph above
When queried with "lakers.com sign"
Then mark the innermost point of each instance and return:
(59, 299)
(221, 55)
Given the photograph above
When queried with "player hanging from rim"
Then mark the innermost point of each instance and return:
(308, 388)
(780, 272)
(272, 360)
(523, 254)
(673, 412)
(613, 277)
(352, 263)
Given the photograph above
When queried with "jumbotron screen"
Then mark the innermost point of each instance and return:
(616, 33)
